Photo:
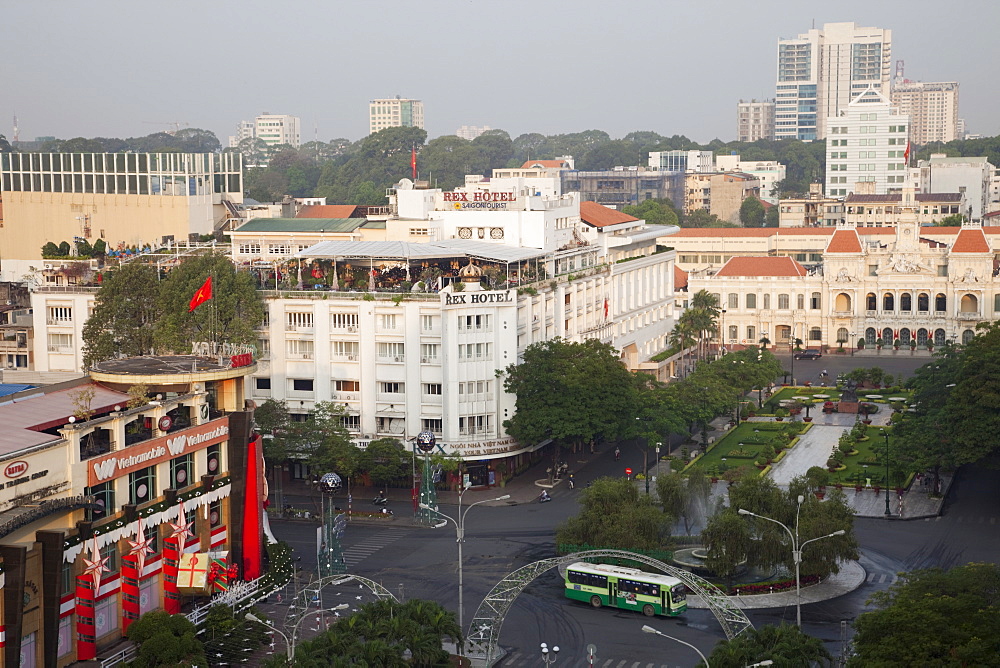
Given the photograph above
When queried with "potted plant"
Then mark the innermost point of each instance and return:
(895, 344)
(780, 414)
(879, 343)
(817, 479)
(840, 345)
(913, 345)
(861, 343)
(930, 345)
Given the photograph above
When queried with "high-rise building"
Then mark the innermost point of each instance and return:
(754, 120)
(272, 129)
(867, 143)
(470, 132)
(820, 72)
(932, 107)
(681, 161)
(395, 112)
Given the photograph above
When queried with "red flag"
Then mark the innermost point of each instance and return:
(413, 161)
(203, 294)
(906, 154)
(605, 308)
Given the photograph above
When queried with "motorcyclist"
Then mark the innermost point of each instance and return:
(618, 453)
(544, 496)
(380, 500)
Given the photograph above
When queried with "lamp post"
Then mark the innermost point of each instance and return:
(853, 343)
(649, 629)
(722, 333)
(549, 657)
(885, 435)
(793, 353)
(796, 551)
(460, 538)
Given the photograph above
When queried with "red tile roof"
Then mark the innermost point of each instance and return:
(597, 215)
(327, 211)
(761, 266)
(971, 240)
(844, 241)
(555, 164)
(680, 278)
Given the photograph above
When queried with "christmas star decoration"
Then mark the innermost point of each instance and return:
(140, 547)
(95, 566)
(181, 529)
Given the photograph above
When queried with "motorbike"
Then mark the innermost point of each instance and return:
(380, 500)
(544, 497)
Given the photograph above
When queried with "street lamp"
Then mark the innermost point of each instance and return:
(548, 658)
(885, 435)
(853, 343)
(460, 538)
(796, 551)
(649, 629)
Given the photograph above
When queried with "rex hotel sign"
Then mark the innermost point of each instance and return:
(155, 451)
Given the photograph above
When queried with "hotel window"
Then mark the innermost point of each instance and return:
(432, 389)
(302, 384)
(475, 424)
(391, 352)
(58, 315)
(433, 425)
(278, 249)
(427, 323)
(391, 388)
(429, 352)
(142, 485)
(298, 320)
(249, 249)
(387, 321)
(351, 422)
(346, 386)
(60, 343)
(348, 321)
(345, 350)
(475, 351)
(299, 349)
(262, 383)
(478, 322)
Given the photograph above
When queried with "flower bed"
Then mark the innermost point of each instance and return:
(771, 587)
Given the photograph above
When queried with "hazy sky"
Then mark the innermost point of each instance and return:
(119, 69)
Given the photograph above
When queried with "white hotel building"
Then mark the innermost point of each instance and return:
(411, 351)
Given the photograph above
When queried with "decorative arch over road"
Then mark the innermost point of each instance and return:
(304, 597)
(484, 631)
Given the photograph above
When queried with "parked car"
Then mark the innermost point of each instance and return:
(808, 354)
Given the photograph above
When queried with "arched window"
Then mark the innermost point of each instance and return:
(751, 300)
(939, 337)
(783, 333)
(923, 302)
(921, 337)
(767, 300)
(968, 335)
(871, 301)
(870, 336)
(782, 301)
(843, 303)
(815, 334)
(969, 304)
(905, 302)
(814, 301)
(904, 336)
(844, 335)
(734, 300)
(800, 301)
(940, 302)
(887, 336)
(888, 302)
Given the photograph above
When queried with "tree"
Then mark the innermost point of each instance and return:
(702, 218)
(684, 497)
(232, 315)
(959, 605)
(786, 645)
(50, 250)
(608, 154)
(4, 145)
(382, 633)
(384, 459)
(165, 640)
(495, 148)
(752, 212)
(772, 217)
(124, 315)
(954, 220)
(554, 386)
(614, 514)
(449, 159)
(654, 212)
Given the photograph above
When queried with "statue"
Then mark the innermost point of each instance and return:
(970, 276)
(843, 276)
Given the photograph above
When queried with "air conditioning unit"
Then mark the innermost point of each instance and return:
(399, 358)
(424, 360)
(307, 356)
(352, 329)
(352, 358)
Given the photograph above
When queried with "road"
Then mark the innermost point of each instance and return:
(422, 563)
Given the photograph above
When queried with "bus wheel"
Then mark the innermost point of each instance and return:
(648, 610)
(595, 601)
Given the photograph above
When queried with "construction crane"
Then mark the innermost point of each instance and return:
(176, 125)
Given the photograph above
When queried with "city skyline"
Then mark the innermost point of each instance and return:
(470, 64)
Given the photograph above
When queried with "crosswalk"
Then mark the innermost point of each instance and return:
(518, 659)
(357, 553)
(882, 578)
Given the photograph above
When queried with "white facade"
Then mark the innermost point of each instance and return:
(867, 142)
(972, 176)
(393, 113)
(272, 129)
(932, 108)
(681, 161)
(470, 132)
(767, 172)
(820, 72)
(754, 120)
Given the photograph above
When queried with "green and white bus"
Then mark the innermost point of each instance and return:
(628, 588)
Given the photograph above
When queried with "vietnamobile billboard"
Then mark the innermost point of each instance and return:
(155, 451)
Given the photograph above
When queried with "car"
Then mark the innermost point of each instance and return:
(808, 354)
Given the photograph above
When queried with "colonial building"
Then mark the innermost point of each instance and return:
(106, 489)
(902, 285)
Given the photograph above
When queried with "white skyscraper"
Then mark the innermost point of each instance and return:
(395, 112)
(272, 129)
(866, 143)
(820, 72)
(932, 107)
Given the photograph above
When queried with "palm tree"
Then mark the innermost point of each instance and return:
(705, 310)
(764, 341)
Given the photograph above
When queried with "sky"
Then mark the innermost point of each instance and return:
(120, 69)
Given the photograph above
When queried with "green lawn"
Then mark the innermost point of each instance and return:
(834, 395)
(872, 454)
(754, 437)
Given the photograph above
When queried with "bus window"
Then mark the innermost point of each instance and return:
(678, 594)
